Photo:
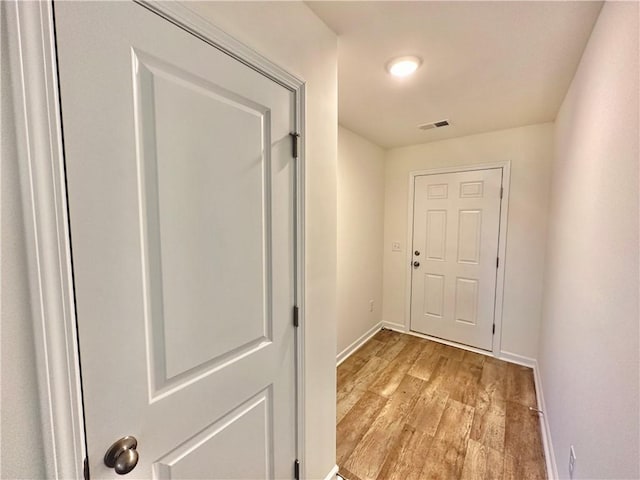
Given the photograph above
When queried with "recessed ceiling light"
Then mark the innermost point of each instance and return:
(403, 66)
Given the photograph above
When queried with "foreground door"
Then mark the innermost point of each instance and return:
(456, 221)
(181, 183)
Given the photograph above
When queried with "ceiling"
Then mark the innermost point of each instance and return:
(486, 65)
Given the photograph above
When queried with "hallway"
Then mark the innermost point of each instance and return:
(410, 408)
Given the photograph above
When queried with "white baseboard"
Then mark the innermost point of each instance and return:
(549, 454)
(343, 355)
(517, 359)
(332, 473)
(398, 327)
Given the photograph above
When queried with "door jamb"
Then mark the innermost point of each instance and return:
(33, 67)
(502, 241)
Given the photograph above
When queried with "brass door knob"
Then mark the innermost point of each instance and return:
(416, 264)
(122, 456)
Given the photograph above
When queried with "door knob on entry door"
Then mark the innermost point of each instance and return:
(416, 264)
(122, 456)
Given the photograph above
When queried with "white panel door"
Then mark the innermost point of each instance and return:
(181, 197)
(456, 221)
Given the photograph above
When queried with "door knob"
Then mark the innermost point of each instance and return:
(416, 264)
(122, 455)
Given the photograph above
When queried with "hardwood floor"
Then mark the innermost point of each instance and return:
(411, 409)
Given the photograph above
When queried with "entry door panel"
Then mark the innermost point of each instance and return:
(181, 195)
(455, 244)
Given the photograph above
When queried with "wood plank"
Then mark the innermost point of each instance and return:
(389, 379)
(489, 421)
(465, 387)
(495, 464)
(443, 461)
(493, 379)
(346, 403)
(384, 335)
(347, 475)
(342, 374)
(442, 378)
(455, 424)
(426, 362)
(481, 463)
(427, 411)
(522, 437)
(367, 350)
(496, 361)
(450, 352)
(445, 376)
(475, 462)
(364, 377)
(520, 385)
(393, 346)
(407, 456)
(355, 424)
(474, 358)
(368, 457)
(516, 468)
(445, 458)
(354, 386)
(360, 357)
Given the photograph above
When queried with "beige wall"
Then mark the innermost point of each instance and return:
(529, 149)
(360, 231)
(292, 36)
(589, 350)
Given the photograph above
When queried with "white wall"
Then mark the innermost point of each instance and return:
(292, 36)
(21, 443)
(589, 351)
(530, 150)
(360, 231)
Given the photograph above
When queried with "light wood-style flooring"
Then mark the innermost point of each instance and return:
(409, 409)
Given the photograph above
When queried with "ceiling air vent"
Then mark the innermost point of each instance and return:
(438, 124)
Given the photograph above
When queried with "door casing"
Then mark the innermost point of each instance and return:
(42, 174)
(502, 248)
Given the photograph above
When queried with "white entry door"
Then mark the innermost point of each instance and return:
(456, 221)
(181, 199)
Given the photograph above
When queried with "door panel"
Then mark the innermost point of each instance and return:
(456, 225)
(433, 295)
(469, 231)
(249, 425)
(466, 300)
(181, 196)
(436, 235)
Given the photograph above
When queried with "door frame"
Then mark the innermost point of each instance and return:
(38, 133)
(502, 248)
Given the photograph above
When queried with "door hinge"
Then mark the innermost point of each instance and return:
(494, 329)
(296, 470)
(501, 191)
(85, 468)
(295, 139)
(497, 262)
(296, 314)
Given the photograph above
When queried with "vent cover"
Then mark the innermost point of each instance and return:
(438, 124)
